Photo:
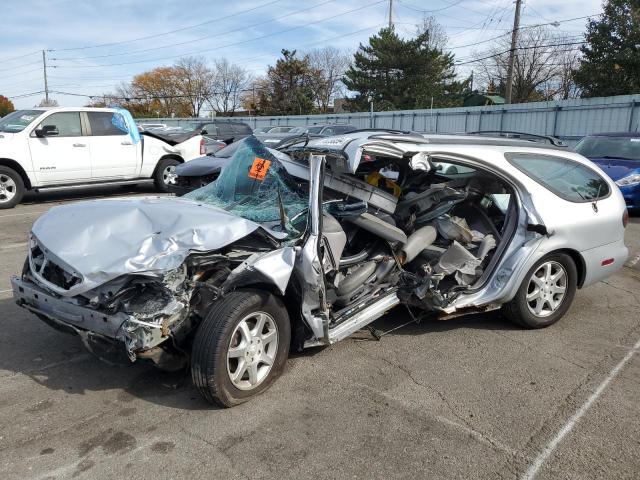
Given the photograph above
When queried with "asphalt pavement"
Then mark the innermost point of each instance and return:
(473, 397)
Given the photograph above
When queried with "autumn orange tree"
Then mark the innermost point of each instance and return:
(6, 106)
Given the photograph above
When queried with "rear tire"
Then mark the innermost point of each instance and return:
(164, 174)
(11, 188)
(546, 292)
(234, 358)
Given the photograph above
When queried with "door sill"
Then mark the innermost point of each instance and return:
(139, 181)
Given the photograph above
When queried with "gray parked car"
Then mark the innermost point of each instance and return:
(273, 138)
(301, 248)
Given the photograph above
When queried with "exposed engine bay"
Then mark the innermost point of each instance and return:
(427, 236)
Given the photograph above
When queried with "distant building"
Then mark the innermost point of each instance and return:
(480, 100)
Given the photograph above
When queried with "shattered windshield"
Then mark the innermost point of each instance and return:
(255, 185)
(18, 120)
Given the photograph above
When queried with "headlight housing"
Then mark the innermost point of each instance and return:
(632, 179)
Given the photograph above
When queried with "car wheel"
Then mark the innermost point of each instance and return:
(165, 174)
(11, 188)
(241, 347)
(546, 292)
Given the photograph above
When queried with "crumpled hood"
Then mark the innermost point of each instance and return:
(104, 239)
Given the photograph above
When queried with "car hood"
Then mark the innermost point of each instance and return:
(617, 168)
(103, 239)
(201, 166)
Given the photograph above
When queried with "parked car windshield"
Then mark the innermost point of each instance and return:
(18, 120)
(627, 148)
(255, 185)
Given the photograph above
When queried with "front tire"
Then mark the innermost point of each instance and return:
(11, 187)
(546, 292)
(241, 347)
(165, 174)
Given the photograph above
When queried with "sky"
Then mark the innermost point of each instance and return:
(90, 49)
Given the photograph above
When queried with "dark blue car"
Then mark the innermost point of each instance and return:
(618, 154)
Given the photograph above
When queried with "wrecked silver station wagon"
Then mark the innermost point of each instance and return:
(302, 247)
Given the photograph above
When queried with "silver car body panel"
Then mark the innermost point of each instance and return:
(104, 239)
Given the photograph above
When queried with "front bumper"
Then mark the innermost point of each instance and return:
(136, 335)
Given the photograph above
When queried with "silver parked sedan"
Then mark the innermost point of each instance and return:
(301, 247)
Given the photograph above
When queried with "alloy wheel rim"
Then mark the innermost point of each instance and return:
(546, 289)
(8, 188)
(169, 175)
(252, 350)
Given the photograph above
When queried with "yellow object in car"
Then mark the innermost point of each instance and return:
(378, 180)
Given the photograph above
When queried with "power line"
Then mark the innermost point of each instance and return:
(521, 48)
(163, 47)
(222, 46)
(5, 60)
(218, 19)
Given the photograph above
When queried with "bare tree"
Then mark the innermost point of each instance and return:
(194, 82)
(327, 67)
(542, 68)
(230, 83)
(437, 35)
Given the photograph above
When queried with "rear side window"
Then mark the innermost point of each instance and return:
(241, 129)
(224, 129)
(566, 178)
(104, 124)
(210, 129)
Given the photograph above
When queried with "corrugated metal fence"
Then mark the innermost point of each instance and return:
(567, 119)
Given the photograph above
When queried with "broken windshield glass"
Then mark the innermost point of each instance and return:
(255, 185)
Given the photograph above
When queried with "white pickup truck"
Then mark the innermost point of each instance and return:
(45, 149)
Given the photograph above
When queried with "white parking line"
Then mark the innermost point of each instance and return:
(13, 245)
(566, 429)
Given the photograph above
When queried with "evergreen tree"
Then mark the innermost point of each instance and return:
(611, 57)
(287, 87)
(402, 74)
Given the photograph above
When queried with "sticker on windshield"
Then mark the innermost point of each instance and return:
(26, 118)
(259, 168)
(635, 139)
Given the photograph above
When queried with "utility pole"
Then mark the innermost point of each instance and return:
(512, 52)
(46, 86)
(390, 13)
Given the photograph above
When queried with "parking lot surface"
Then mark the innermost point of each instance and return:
(473, 397)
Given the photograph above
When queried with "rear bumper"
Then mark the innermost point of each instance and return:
(593, 259)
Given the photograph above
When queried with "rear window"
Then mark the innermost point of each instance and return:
(566, 178)
(106, 124)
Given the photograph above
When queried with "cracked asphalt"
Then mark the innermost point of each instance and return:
(473, 397)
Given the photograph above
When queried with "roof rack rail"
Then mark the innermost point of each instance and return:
(520, 135)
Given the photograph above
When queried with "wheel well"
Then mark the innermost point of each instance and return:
(6, 162)
(165, 157)
(579, 262)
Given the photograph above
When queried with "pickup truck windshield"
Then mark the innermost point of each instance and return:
(256, 186)
(19, 120)
(627, 148)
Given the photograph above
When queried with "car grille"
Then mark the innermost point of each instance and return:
(44, 268)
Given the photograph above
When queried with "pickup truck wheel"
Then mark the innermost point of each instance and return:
(11, 188)
(240, 347)
(165, 174)
(545, 294)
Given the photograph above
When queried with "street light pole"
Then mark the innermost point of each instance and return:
(512, 52)
(46, 86)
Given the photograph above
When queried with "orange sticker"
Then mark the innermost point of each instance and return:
(259, 168)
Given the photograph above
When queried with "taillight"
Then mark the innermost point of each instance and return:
(202, 149)
(625, 218)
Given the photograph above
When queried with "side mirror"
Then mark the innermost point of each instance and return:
(47, 131)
